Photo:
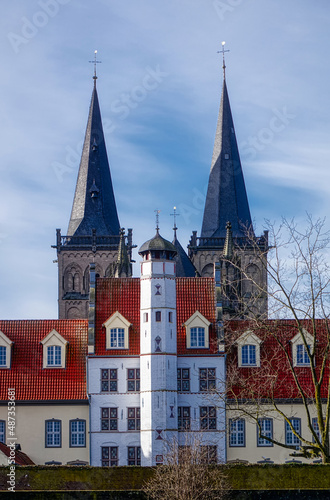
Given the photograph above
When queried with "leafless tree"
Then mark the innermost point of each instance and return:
(298, 291)
(188, 473)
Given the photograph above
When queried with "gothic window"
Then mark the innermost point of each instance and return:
(72, 279)
(253, 280)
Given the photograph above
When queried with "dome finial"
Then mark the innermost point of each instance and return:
(157, 212)
(223, 58)
(95, 62)
(174, 215)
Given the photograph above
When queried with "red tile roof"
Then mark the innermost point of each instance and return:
(273, 378)
(31, 381)
(123, 295)
(20, 457)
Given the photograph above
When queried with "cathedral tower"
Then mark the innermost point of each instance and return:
(227, 231)
(94, 234)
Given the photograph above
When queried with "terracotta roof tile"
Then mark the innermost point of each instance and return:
(27, 376)
(20, 457)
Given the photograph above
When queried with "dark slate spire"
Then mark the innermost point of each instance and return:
(226, 198)
(184, 267)
(94, 204)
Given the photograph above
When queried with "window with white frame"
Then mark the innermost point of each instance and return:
(117, 328)
(77, 433)
(5, 350)
(109, 456)
(249, 355)
(302, 355)
(54, 350)
(237, 432)
(316, 428)
(299, 351)
(54, 355)
(197, 331)
(2, 431)
(53, 433)
(265, 429)
(248, 346)
(290, 436)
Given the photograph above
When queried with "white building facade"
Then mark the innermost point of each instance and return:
(155, 364)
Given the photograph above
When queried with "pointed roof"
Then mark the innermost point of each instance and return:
(94, 204)
(184, 266)
(226, 198)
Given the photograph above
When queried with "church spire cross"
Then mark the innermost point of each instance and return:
(95, 62)
(174, 215)
(157, 212)
(223, 58)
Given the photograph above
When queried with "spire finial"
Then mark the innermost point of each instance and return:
(95, 62)
(157, 212)
(174, 215)
(223, 58)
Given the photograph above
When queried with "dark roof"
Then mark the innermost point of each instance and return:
(94, 204)
(31, 381)
(226, 198)
(157, 243)
(184, 266)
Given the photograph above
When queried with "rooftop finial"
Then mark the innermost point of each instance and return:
(157, 212)
(174, 216)
(95, 62)
(223, 58)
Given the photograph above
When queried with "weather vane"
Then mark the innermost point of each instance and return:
(223, 58)
(157, 212)
(174, 215)
(95, 62)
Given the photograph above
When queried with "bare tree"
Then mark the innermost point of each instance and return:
(299, 305)
(187, 473)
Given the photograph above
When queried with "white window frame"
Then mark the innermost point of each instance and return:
(248, 338)
(79, 434)
(197, 320)
(296, 422)
(238, 433)
(54, 340)
(53, 434)
(116, 322)
(6, 343)
(298, 341)
(261, 442)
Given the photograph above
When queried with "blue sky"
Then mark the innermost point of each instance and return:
(159, 89)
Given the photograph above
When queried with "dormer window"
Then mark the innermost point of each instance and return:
(299, 352)
(54, 350)
(117, 328)
(248, 346)
(54, 355)
(197, 331)
(5, 351)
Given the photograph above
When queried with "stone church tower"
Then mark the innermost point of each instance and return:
(94, 234)
(227, 233)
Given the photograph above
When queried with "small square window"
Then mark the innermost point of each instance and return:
(109, 380)
(183, 379)
(109, 456)
(133, 380)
